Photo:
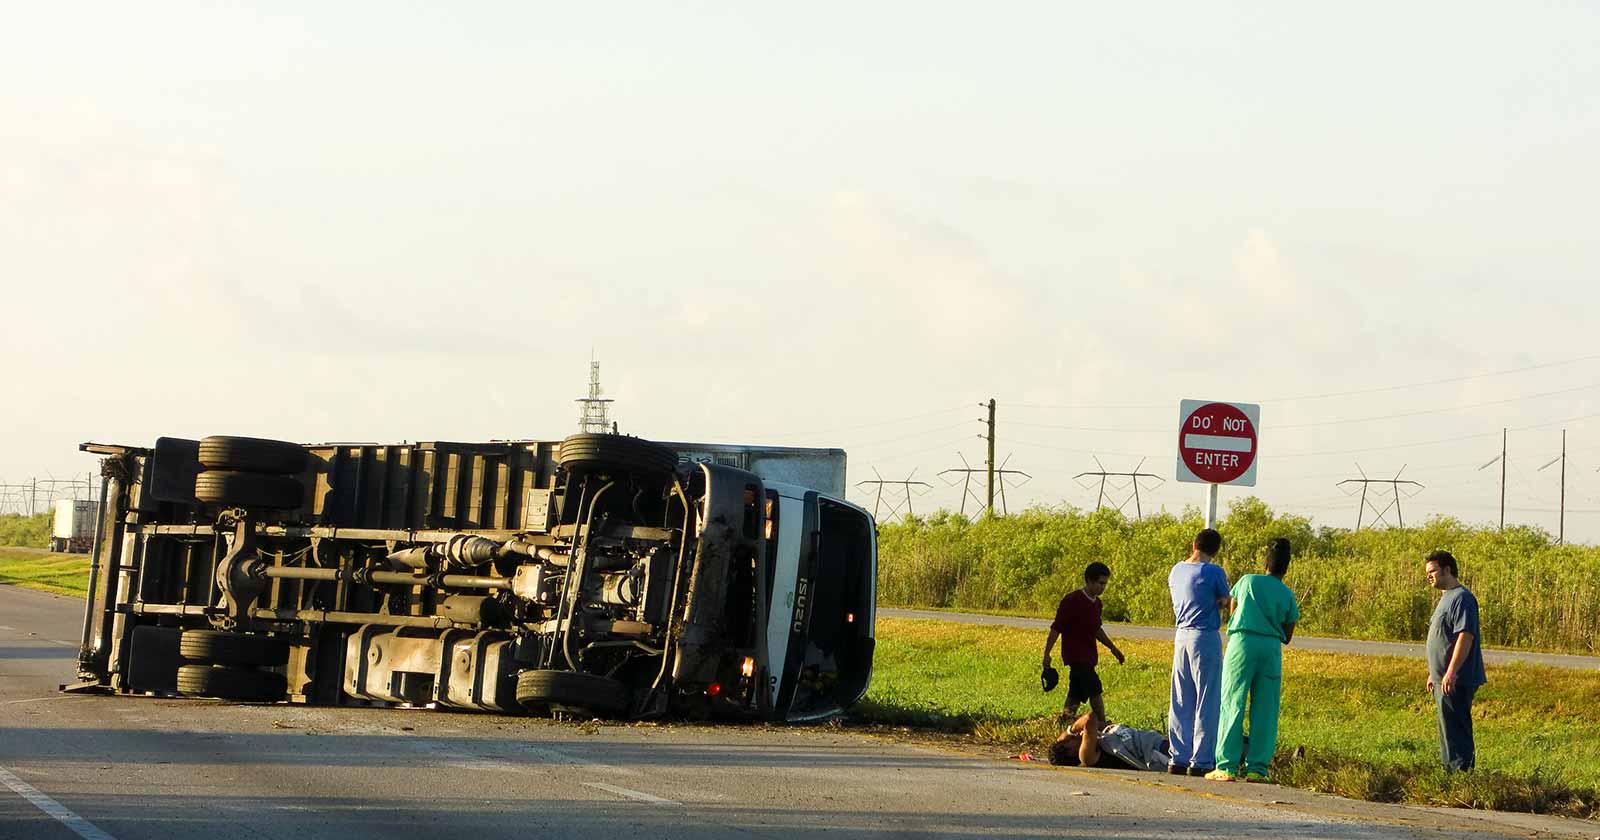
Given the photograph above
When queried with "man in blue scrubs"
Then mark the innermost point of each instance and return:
(1199, 591)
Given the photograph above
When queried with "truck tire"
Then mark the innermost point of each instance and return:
(247, 489)
(621, 453)
(214, 647)
(247, 454)
(231, 683)
(602, 696)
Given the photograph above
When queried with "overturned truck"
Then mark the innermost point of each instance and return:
(604, 575)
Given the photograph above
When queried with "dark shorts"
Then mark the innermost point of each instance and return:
(1082, 682)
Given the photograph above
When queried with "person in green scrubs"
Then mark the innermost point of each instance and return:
(1264, 615)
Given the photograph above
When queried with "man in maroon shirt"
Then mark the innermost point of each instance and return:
(1078, 624)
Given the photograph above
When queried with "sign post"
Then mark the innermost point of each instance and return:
(1217, 444)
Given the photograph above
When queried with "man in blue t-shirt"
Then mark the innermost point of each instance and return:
(1455, 661)
(1199, 591)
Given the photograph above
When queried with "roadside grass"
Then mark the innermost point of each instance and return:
(62, 574)
(1365, 723)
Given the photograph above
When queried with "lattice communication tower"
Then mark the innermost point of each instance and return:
(595, 412)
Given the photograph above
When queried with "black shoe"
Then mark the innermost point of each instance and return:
(1178, 769)
(1199, 771)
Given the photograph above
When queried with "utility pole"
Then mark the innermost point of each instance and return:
(1561, 522)
(1133, 478)
(1502, 459)
(990, 437)
(1394, 489)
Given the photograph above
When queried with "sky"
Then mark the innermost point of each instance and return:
(836, 225)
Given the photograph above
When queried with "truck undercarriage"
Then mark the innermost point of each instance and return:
(598, 576)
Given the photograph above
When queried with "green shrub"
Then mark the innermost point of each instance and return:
(1363, 584)
(26, 531)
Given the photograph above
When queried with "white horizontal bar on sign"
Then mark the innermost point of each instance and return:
(1217, 443)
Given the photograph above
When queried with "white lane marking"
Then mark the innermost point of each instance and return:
(4, 627)
(32, 700)
(1217, 443)
(506, 758)
(79, 826)
(68, 644)
(630, 794)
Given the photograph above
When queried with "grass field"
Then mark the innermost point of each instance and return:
(1366, 722)
(58, 573)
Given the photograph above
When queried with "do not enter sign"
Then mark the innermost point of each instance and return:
(1217, 442)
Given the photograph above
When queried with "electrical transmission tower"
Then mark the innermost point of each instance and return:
(1133, 479)
(905, 487)
(595, 411)
(967, 472)
(1002, 481)
(1412, 488)
(38, 495)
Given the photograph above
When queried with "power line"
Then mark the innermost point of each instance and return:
(1349, 421)
(1427, 411)
(922, 451)
(1357, 392)
(890, 421)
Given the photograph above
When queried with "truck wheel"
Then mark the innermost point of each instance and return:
(217, 648)
(222, 452)
(231, 683)
(603, 696)
(598, 453)
(246, 489)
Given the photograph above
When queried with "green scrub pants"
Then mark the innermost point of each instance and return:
(1253, 667)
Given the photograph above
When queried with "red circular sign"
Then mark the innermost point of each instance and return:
(1217, 442)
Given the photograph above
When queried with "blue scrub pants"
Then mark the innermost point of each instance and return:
(1196, 697)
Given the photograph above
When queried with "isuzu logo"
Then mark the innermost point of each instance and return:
(802, 594)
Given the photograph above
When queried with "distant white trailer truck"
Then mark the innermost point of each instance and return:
(73, 529)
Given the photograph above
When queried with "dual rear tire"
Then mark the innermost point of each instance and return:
(250, 473)
(231, 666)
(598, 453)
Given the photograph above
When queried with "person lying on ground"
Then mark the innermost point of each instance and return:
(1088, 743)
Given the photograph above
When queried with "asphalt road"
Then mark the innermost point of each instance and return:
(123, 767)
(1357, 646)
